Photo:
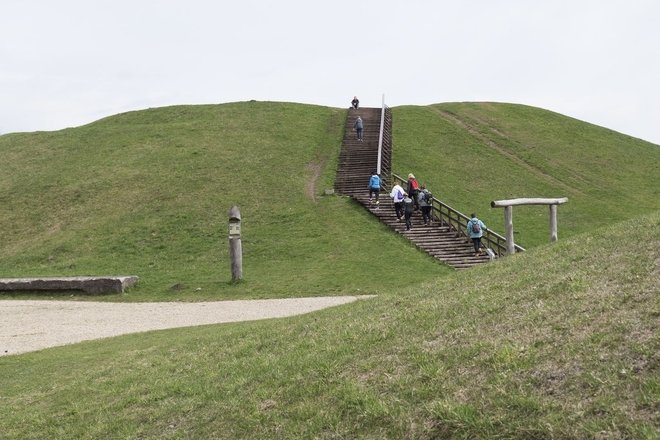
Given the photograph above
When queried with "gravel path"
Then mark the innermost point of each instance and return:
(34, 325)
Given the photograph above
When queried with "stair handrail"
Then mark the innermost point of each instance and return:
(380, 137)
(457, 221)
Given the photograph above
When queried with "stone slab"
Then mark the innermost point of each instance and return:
(93, 285)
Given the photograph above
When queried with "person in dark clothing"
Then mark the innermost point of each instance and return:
(355, 102)
(425, 199)
(359, 125)
(408, 208)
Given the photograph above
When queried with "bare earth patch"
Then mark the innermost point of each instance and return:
(34, 325)
(314, 171)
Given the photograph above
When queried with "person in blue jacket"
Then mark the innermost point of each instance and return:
(475, 230)
(374, 186)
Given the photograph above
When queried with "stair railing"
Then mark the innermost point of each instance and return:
(381, 136)
(457, 222)
(383, 165)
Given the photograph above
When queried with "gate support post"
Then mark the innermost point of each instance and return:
(553, 223)
(508, 228)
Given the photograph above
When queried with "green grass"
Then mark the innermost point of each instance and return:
(560, 342)
(470, 154)
(148, 193)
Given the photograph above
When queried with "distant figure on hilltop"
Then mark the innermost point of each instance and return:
(359, 125)
(475, 229)
(355, 102)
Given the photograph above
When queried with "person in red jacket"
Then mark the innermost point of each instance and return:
(413, 189)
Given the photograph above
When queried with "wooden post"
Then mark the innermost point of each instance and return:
(553, 222)
(508, 226)
(235, 247)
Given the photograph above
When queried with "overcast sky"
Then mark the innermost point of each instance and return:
(66, 63)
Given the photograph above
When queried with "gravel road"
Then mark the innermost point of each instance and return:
(34, 325)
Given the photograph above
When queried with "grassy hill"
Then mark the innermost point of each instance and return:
(472, 153)
(559, 342)
(148, 192)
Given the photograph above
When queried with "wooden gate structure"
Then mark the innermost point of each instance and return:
(508, 216)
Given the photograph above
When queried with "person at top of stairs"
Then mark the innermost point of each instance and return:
(355, 102)
(374, 186)
(359, 125)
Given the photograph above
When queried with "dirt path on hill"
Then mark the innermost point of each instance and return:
(512, 157)
(314, 171)
(34, 325)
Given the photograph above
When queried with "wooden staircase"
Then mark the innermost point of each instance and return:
(358, 160)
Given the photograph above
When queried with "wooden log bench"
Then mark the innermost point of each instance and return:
(92, 285)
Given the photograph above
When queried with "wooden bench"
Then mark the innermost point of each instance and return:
(93, 285)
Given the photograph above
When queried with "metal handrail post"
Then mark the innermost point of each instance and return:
(380, 136)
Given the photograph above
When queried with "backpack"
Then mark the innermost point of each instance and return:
(414, 185)
(476, 227)
(428, 197)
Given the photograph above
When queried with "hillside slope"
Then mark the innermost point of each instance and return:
(148, 192)
(561, 342)
(472, 153)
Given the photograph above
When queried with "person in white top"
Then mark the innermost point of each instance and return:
(397, 194)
